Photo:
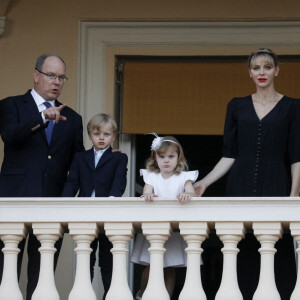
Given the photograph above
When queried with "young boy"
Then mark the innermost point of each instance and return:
(99, 172)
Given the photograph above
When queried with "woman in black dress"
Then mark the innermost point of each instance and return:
(262, 154)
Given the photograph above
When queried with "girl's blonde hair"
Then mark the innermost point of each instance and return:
(151, 163)
(269, 56)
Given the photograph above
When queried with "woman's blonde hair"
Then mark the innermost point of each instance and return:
(270, 57)
(151, 163)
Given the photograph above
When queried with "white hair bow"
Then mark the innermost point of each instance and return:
(158, 141)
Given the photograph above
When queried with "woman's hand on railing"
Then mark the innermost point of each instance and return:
(200, 187)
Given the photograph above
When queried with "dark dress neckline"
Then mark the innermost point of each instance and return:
(266, 115)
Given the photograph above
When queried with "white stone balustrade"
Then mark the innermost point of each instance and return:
(194, 234)
(11, 234)
(295, 231)
(119, 217)
(83, 234)
(47, 234)
(119, 235)
(230, 233)
(156, 234)
(267, 234)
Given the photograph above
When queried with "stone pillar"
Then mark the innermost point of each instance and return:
(194, 234)
(230, 234)
(47, 234)
(119, 234)
(267, 233)
(83, 234)
(295, 231)
(11, 235)
(156, 233)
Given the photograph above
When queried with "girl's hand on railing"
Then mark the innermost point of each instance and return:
(184, 198)
(149, 197)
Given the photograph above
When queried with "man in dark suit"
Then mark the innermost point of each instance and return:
(99, 172)
(41, 137)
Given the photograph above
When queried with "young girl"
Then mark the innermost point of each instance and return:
(165, 177)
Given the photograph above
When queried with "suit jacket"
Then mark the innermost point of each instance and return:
(107, 179)
(31, 167)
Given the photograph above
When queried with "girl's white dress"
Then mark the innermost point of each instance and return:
(175, 255)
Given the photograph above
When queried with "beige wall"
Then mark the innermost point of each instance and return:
(38, 26)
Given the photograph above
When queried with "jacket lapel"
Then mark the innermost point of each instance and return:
(90, 158)
(30, 104)
(107, 155)
(32, 110)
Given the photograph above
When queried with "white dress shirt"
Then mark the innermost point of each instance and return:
(39, 101)
(98, 155)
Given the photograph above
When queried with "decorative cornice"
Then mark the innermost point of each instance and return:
(2, 25)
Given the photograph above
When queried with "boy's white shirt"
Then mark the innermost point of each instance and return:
(98, 154)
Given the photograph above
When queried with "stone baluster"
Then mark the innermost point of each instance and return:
(156, 234)
(83, 234)
(230, 233)
(194, 234)
(295, 231)
(47, 234)
(267, 233)
(119, 234)
(11, 234)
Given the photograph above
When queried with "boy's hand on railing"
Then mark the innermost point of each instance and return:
(183, 198)
(149, 197)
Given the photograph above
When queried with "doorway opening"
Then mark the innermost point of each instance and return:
(202, 143)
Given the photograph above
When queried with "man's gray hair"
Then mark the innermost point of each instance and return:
(41, 60)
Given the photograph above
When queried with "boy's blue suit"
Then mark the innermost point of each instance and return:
(31, 167)
(108, 178)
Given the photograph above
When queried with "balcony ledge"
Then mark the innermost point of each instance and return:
(133, 209)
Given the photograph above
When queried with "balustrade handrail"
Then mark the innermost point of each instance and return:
(135, 209)
(118, 217)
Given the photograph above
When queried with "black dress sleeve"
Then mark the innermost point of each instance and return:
(294, 134)
(230, 131)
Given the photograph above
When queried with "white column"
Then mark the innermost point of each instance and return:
(11, 234)
(267, 234)
(194, 234)
(295, 231)
(119, 234)
(83, 234)
(230, 233)
(156, 234)
(47, 234)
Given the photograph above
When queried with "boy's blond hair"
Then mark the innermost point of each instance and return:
(100, 120)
